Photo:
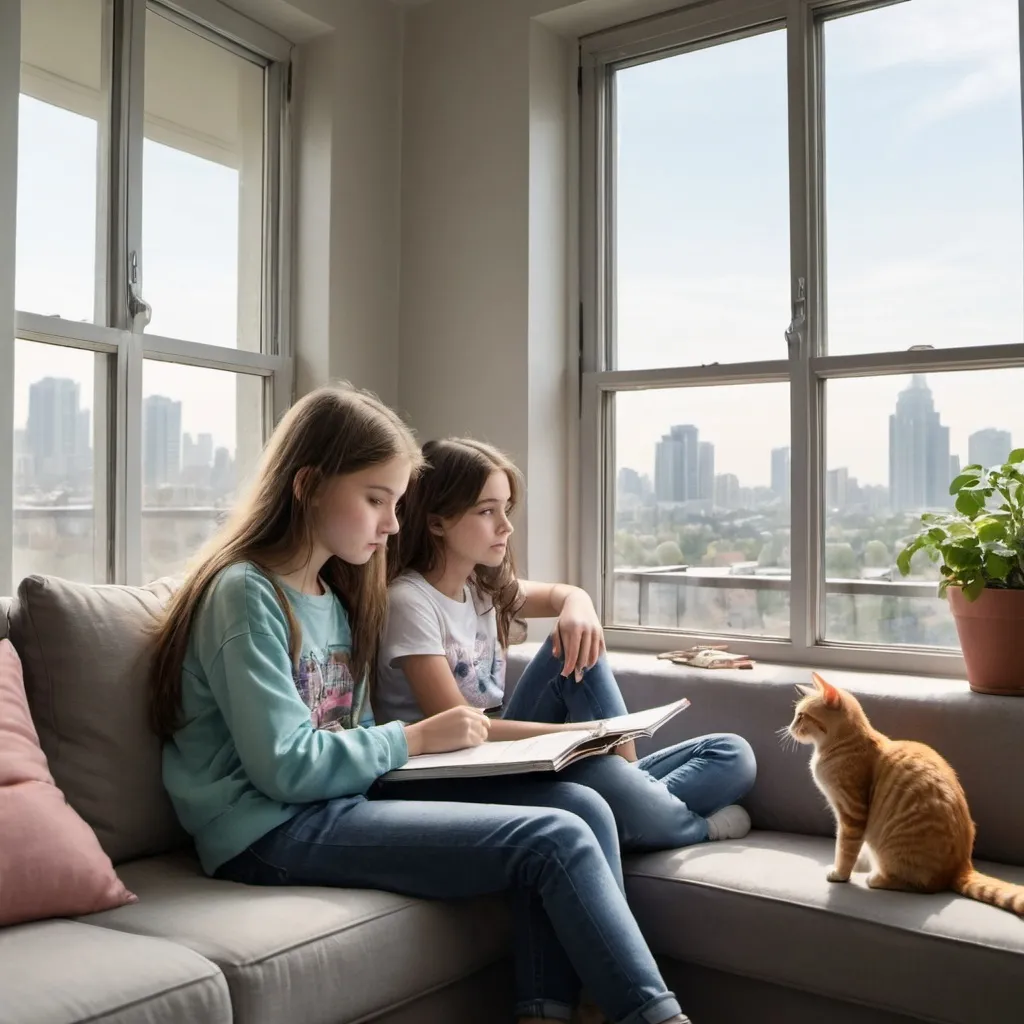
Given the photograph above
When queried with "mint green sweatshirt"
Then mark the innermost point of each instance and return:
(262, 737)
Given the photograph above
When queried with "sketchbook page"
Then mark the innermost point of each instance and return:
(534, 749)
(644, 721)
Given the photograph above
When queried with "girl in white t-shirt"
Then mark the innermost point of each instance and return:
(453, 605)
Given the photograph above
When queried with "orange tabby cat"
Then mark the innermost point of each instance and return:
(899, 799)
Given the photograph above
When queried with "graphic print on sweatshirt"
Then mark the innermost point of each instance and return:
(325, 684)
(480, 672)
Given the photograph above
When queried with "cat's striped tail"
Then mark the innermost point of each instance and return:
(986, 889)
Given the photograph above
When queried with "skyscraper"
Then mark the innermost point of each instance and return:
(918, 451)
(706, 471)
(780, 473)
(161, 441)
(837, 488)
(989, 447)
(630, 482)
(54, 422)
(676, 465)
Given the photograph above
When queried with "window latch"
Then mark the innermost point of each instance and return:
(137, 305)
(794, 332)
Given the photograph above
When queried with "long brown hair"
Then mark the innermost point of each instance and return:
(333, 430)
(447, 488)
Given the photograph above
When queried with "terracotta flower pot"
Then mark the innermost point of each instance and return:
(991, 631)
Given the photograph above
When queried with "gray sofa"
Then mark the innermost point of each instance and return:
(745, 931)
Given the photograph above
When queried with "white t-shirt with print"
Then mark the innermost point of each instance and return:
(422, 620)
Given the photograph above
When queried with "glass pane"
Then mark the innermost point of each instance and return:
(60, 460)
(202, 189)
(702, 206)
(924, 177)
(61, 119)
(202, 433)
(894, 445)
(702, 510)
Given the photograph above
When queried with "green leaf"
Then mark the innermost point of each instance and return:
(903, 558)
(962, 481)
(973, 589)
(974, 467)
(937, 535)
(997, 566)
(1017, 455)
(990, 529)
(960, 528)
(960, 557)
(968, 504)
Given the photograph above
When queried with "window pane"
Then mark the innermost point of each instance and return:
(702, 510)
(702, 206)
(923, 177)
(894, 445)
(202, 181)
(202, 432)
(60, 460)
(61, 118)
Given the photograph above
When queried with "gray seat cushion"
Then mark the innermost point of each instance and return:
(761, 907)
(319, 956)
(65, 972)
(979, 735)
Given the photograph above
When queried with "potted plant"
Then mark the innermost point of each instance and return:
(980, 551)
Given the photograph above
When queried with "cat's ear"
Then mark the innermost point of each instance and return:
(804, 690)
(829, 693)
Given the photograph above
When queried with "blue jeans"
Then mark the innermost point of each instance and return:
(552, 842)
(660, 802)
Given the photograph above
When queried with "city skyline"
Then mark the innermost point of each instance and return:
(54, 451)
(921, 464)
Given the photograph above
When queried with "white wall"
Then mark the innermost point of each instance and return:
(347, 115)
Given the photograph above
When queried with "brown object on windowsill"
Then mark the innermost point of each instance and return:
(709, 656)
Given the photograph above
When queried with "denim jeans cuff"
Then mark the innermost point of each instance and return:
(660, 1008)
(546, 1009)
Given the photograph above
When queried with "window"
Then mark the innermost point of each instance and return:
(803, 309)
(151, 355)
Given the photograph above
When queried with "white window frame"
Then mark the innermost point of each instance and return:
(120, 335)
(800, 359)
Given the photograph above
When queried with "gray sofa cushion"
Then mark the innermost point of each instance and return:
(319, 956)
(979, 735)
(5, 607)
(761, 907)
(65, 972)
(84, 652)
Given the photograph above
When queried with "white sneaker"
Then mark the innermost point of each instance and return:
(730, 822)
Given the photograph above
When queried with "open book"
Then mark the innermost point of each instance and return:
(550, 753)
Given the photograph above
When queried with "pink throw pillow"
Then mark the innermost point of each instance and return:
(51, 863)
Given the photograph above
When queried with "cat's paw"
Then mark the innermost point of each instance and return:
(837, 876)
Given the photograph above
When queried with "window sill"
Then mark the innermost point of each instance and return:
(637, 667)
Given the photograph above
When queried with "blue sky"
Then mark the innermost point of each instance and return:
(924, 221)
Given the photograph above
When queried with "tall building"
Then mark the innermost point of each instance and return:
(706, 471)
(197, 454)
(676, 465)
(727, 491)
(781, 473)
(161, 441)
(918, 451)
(630, 482)
(837, 488)
(989, 447)
(954, 467)
(53, 441)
